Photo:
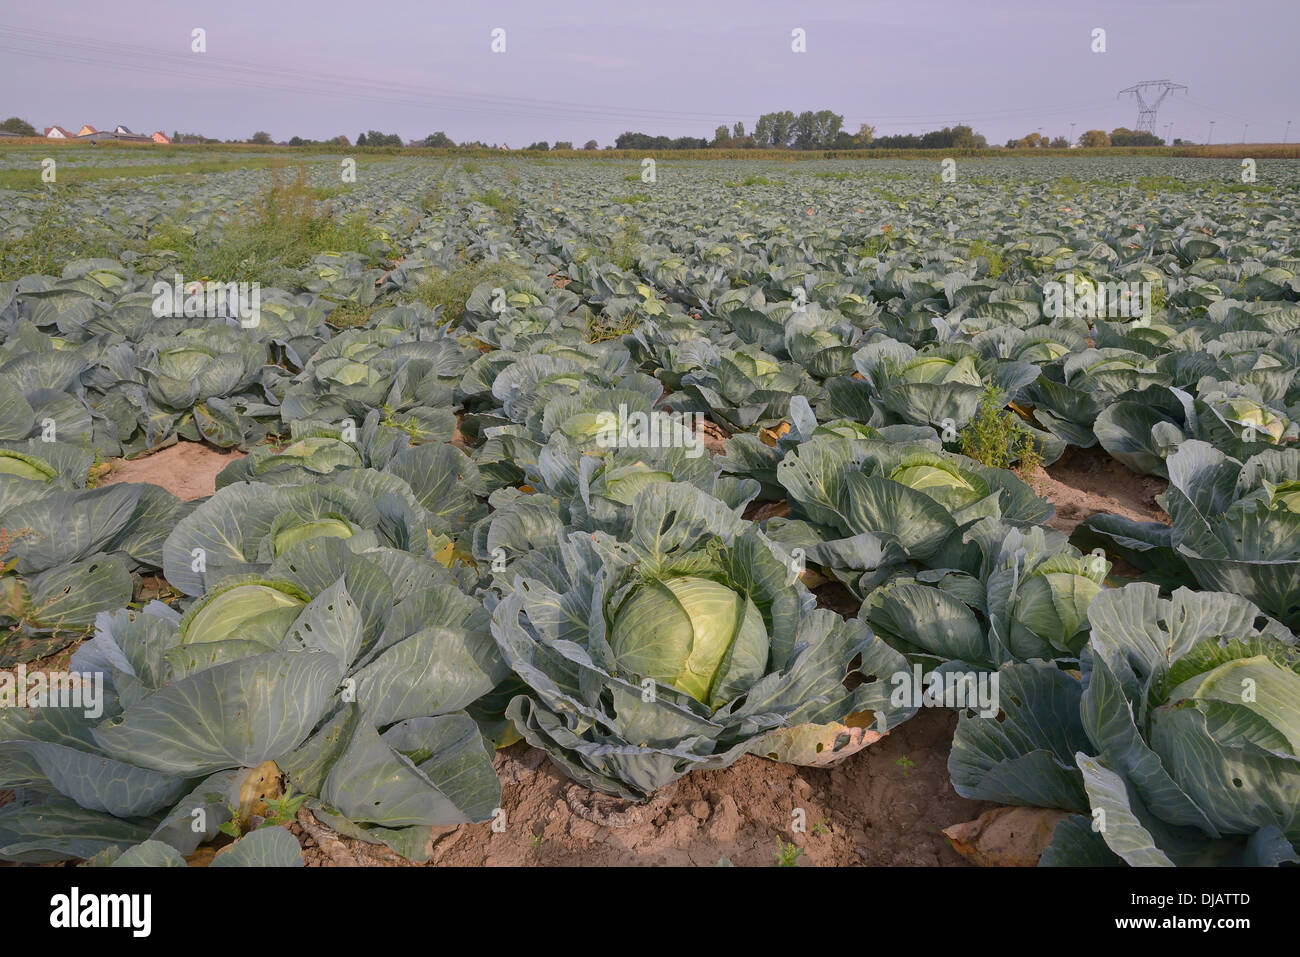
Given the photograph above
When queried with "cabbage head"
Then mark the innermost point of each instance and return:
(681, 648)
(1177, 744)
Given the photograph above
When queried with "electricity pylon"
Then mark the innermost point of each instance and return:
(1149, 95)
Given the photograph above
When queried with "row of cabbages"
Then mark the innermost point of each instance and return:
(608, 603)
(450, 548)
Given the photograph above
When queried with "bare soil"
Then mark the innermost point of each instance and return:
(187, 469)
(885, 805)
(1086, 481)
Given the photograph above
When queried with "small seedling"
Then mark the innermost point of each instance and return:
(232, 826)
(820, 829)
(906, 764)
(787, 855)
(283, 810)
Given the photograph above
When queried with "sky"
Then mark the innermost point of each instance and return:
(591, 69)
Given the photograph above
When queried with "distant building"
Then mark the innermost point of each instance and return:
(160, 137)
(100, 136)
(127, 135)
(57, 133)
(86, 130)
(7, 133)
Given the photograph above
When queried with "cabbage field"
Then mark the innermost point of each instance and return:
(657, 491)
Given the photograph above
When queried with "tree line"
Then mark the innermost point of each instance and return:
(809, 130)
(1091, 139)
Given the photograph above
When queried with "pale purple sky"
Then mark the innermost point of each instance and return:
(584, 69)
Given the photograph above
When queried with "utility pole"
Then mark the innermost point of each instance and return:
(1149, 95)
(1244, 127)
(1288, 131)
(1072, 133)
(1211, 139)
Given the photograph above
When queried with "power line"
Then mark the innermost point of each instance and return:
(1149, 95)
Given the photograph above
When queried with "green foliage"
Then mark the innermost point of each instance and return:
(996, 438)
(16, 124)
(787, 855)
(503, 204)
(283, 229)
(51, 241)
(991, 253)
(431, 479)
(451, 289)
(351, 315)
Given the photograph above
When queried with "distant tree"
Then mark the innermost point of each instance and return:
(539, 145)
(1060, 143)
(340, 140)
(438, 140)
(816, 130)
(563, 145)
(16, 124)
(899, 141)
(640, 141)
(775, 129)
(261, 138)
(805, 130)
(1094, 139)
(1123, 136)
(952, 137)
(590, 145)
(828, 126)
(738, 131)
(376, 138)
(722, 137)
(361, 139)
(865, 135)
(297, 141)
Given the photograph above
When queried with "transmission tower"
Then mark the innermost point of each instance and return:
(1149, 95)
